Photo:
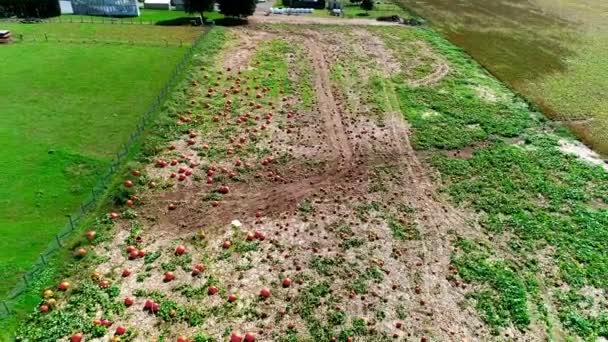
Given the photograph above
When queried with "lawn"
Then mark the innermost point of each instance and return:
(553, 52)
(65, 110)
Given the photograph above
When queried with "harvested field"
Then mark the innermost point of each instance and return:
(326, 183)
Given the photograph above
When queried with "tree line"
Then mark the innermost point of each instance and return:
(29, 8)
(230, 8)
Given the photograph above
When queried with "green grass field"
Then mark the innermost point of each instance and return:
(66, 108)
(150, 16)
(553, 52)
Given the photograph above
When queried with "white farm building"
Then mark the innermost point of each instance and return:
(114, 8)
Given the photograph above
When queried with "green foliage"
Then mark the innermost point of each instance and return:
(403, 231)
(352, 243)
(237, 8)
(456, 117)
(540, 195)
(77, 315)
(367, 5)
(505, 301)
(151, 257)
(203, 337)
(324, 265)
(306, 206)
(183, 261)
(29, 8)
(361, 283)
(574, 311)
(198, 6)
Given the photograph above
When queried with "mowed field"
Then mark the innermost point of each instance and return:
(553, 52)
(347, 183)
(65, 109)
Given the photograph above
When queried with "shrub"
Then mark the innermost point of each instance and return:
(29, 8)
(237, 8)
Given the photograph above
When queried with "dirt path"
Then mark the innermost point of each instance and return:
(307, 20)
(328, 108)
(437, 75)
(282, 197)
(249, 41)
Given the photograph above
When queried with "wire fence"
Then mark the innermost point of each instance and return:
(49, 38)
(100, 188)
(90, 19)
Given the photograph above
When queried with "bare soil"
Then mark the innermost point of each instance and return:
(353, 206)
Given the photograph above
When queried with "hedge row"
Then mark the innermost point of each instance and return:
(29, 8)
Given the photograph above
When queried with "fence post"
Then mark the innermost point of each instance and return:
(46, 37)
(58, 240)
(43, 259)
(27, 283)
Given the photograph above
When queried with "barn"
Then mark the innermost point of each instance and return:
(113, 8)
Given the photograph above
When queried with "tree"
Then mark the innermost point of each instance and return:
(367, 5)
(198, 6)
(29, 8)
(237, 8)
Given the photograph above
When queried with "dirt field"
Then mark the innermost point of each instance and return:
(293, 185)
(338, 183)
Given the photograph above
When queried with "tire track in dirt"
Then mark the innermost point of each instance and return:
(437, 217)
(328, 108)
(441, 298)
(282, 197)
(250, 39)
(437, 75)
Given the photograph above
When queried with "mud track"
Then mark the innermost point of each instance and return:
(284, 197)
